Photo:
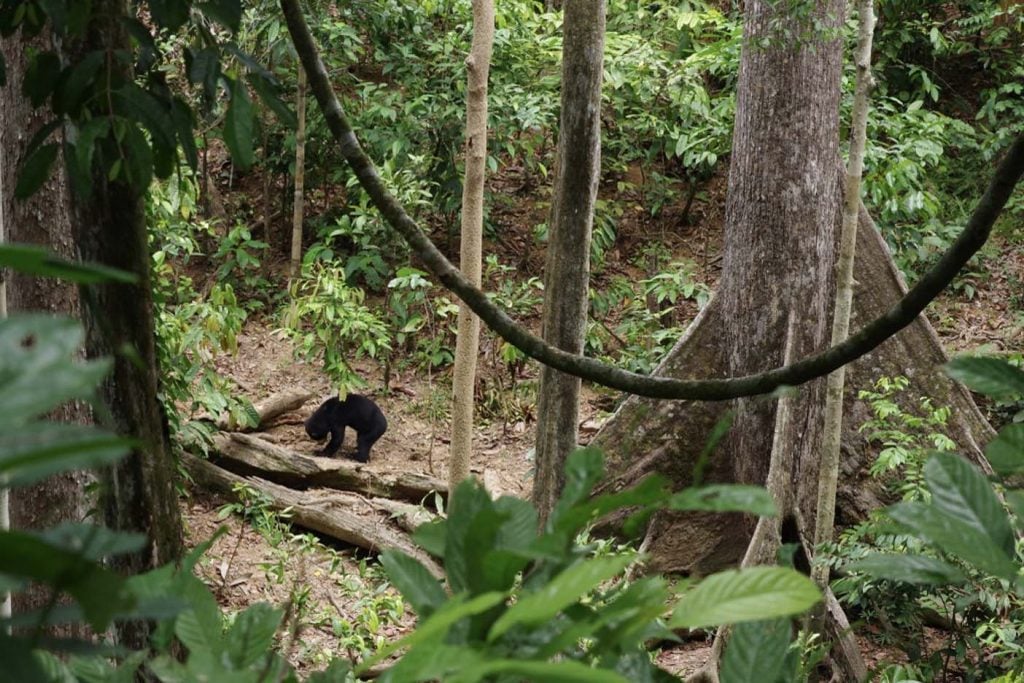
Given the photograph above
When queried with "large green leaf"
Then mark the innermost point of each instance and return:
(101, 593)
(757, 652)
(745, 595)
(915, 569)
(724, 498)
(34, 451)
(238, 126)
(92, 542)
(35, 170)
(201, 627)
(436, 626)
(652, 490)
(1006, 452)
(37, 371)
(563, 590)
(412, 579)
(990, 376)
(252, 636)
(583, 469)
(169, 14)
(35, 260)
(959, 490)
(226, 12)
(953, 536)
(566, 671)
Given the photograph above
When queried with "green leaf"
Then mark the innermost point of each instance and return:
(100, 592)
(137, 156)
(41, 77)
(757, 652)
(20, 661)
(35, 260)
(914, 569)
(252, 636)
(563, 590)
(432, 537)
(226, 12)
(181, 116)
(416, 584)
(652, 490)
(953, 536)
(990, 376)
(566, 671)
(37, 372)
(960, 491)
(436, 626)
(35, 170)
(238, 126)
(204, 70)
(725, 498)
(169, 14)
(200, 628)
(750, 594)
(583, 469)
(75, 82)
(1006, 452)
(268, 93)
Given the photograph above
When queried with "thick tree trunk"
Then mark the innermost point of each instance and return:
(139, 493)
(478, 66)
(782, 215)
(567, 270)
(44, 219)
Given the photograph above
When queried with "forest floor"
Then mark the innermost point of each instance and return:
(347, 607)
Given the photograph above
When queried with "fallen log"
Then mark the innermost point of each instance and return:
(266, 409)
(350, 518)
(250, 455)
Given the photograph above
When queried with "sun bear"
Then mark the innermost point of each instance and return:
(357, 412)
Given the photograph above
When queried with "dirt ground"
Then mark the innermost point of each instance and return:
(343, 594)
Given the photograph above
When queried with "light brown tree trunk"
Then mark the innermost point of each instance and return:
(567, 270)
(298, 205)
(43, 219)
(478, 66)
(828, 475)
(779, 252)
(139, 492)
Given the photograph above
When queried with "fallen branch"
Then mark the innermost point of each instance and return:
(251, 455)
(350, 518)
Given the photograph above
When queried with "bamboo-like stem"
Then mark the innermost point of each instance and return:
(467, 342)
(298, 204)
(828, 473)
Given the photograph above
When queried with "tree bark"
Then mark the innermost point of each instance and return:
(139, 493)
(478, 66)
(781, 167)
(44, 219)
(567, 270)
(298, 205)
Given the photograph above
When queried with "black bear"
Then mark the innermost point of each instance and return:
(357, 412)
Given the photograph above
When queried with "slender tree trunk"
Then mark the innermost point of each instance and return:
(43, 219)
(478, 66)
(139, 493)
(567, 271)
(828, 476)
(298, 205)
